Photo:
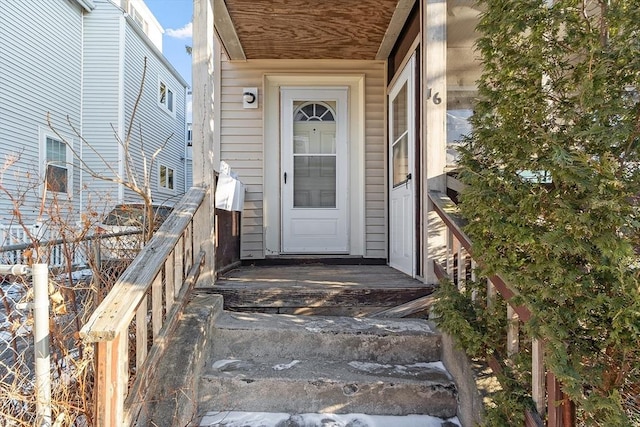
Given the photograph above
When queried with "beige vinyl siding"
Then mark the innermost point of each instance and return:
(241, 142)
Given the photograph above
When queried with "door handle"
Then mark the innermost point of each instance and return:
(285, 177)
(406, 182)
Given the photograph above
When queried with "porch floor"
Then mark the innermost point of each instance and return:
(351, 290)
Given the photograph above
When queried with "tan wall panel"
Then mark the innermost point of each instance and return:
(241, 141)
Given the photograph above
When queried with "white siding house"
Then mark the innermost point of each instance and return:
(82, 62)
(40, 74)
(113, 73)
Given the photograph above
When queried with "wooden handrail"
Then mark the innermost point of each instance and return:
(543, 395)
(141, 309)
(119, 306)
(448, 212)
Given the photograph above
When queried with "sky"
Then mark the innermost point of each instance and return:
(175, 16)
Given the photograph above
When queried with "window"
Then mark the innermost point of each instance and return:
(165, 98)
(57, 172)
(136, 15)
(166, 177)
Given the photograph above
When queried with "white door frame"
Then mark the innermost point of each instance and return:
(315, 230)
(272, 170)
(402, 236)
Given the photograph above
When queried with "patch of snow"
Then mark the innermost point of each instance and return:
(364, 323)
(82, 274)
(5, 337)
(284, 366)
(413, 369)
(369, 366)
(23, 330)
(12, 290)
(220, 365)
(243, 419)
(231, 365)
(321, 325)
(429, 365)
(396, 325)
(267, 419)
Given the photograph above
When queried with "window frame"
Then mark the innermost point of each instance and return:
(44, 136)
(168, 104)
(168, 182)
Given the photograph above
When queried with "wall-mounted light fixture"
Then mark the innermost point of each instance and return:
(250, 97)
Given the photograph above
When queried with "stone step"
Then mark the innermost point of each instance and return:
(386, 341)
(319, 385)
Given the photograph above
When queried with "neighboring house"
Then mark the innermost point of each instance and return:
(336, 119)
(82, 62)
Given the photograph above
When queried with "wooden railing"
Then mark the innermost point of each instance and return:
(458, 264)
(142, 308)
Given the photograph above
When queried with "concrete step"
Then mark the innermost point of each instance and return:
(324, 364)
(386, 341)
(319, 385)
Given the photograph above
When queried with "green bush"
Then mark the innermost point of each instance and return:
(553, 172)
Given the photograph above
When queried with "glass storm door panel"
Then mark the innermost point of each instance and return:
(401, 164)
(314, 171)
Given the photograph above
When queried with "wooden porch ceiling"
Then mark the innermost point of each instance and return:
(309, 29)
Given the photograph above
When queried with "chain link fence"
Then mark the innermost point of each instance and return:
(78, 281)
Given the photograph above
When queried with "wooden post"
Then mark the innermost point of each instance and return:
(111, 366)
(156, 305)
(171, 283)
(554, 400)
(461, 271)
(178, 268)
(537, 376)
(204, 152)
(141, 334)
(568, 412)
(513, 331)
(449, 253)
(433, 96)
(472, 275)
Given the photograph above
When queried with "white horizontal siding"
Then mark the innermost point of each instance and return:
(103, 37)
(153, 126)
(113, 66)
(241, 142)
(40, 74)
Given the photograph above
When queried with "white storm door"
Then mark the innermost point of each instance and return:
(401, 165)
(314, 162)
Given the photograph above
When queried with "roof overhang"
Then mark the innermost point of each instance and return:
(87, 5)
(308, 29)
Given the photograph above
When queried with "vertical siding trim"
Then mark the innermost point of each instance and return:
(186, 130)
(217, 101)
(121, 102)
(81, 143)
